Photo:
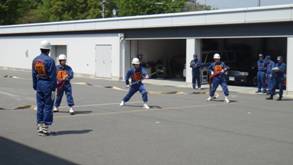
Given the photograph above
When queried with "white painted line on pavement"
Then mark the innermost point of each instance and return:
(141, 110)
(8, 94)
(97, 105)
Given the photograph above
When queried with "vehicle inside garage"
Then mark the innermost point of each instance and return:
(241, 54)
(163, 59)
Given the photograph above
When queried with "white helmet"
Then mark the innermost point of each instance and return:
(62, 57)
(217, 56)
(45, 45)
(135, 61)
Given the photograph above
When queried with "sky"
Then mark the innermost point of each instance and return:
(226, 4)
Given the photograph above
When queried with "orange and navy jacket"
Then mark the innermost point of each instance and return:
(64, 73)
(135, 75)
(217, 67)
(44, 73)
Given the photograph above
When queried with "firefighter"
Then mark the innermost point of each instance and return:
(64, 76)
(260, 74)
(217, 72)
(268, 78)
(195, 64)
(136, 73)
(278, 78)
(44, 83)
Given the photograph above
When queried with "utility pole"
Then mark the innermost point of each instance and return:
(258, 3)
(103, 8)
(114, 13)
(195, 3)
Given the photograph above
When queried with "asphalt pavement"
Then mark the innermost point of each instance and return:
(181, 128)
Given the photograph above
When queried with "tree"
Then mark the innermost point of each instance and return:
(139, 7)
(59, 10)
(29, 11)
(11, 10)
(195, 6)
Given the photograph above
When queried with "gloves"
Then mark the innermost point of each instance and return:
(67, 79)
(275, 69)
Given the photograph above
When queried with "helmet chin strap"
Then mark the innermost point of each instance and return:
(63, 64)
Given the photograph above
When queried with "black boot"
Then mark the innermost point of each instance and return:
(280, 98)
(270, 98)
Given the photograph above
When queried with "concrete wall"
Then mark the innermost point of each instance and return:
(18, 52)
(290, 65)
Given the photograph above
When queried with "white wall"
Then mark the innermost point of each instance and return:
(290, 64)
(125, 53)
(18, 52)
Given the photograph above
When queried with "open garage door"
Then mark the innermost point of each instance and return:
(241, 54)
(163, 59)
(56, 50)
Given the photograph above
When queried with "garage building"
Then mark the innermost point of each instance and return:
(104, 47)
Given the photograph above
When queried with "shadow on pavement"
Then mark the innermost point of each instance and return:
(22, 107)
(155, 107)
(231, 101)
(76, 112)
(71, 132)
(82, 112)
(12, 152)
(286, 99)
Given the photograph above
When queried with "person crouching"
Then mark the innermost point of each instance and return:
(136, 73)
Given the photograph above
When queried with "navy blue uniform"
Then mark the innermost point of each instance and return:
(64, 75)
(268, 79)
(218, 69)
(195, 64)
(136, 75)
(261, 72)
(44, 83)
(278, 79)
